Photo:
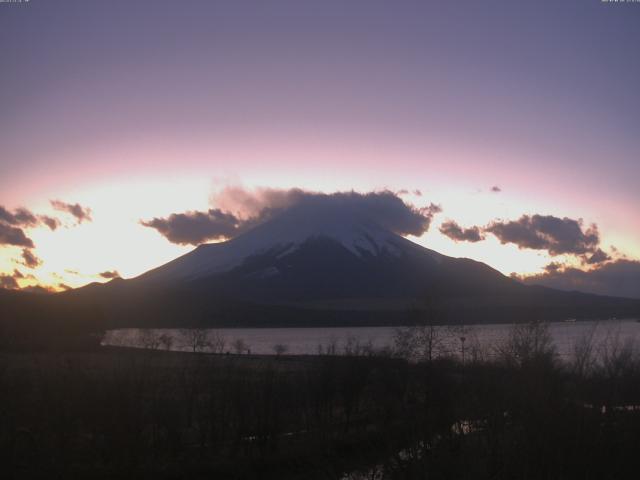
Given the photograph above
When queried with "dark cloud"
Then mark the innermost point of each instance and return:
(64, 286)
(194, 228)
(553, 267)
(239, 209)
(546, 232)
(52, 223)
(81, 214)
(8, 282)
(384, 208)
(21, 217)
(18, 275)
(13, 223)
(599, 256)
(619, 278)
(10, 235)
(29, 259)
(455, 232)
(556, 235)
(11, 281)
(109, 275)
(496, 189)
(417, 193)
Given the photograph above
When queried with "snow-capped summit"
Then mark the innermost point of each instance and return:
(282, 236)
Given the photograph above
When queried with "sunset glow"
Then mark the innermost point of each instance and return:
(368, 100)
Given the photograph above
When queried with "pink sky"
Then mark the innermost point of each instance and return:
(123, 107)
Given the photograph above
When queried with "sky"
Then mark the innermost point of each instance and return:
(115, 113)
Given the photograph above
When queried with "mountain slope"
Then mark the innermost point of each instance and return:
(282, 235)
(295, 257)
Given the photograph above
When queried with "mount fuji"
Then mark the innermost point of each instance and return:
(330, 266)
(329, 256)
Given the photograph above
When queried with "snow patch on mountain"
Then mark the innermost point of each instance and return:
(282, 236)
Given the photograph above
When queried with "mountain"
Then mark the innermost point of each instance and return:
(338, 255)
(332, 267)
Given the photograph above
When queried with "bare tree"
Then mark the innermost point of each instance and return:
(584, 353)
(166, 340)
(332, 347)
(217, 342)
(475, 351)
(196, 339)
(425, 340)
(239, 346)
(618, 356)
(280, 348)
(528, 342)
(149, 339)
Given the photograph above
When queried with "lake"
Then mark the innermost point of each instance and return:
(311, 341)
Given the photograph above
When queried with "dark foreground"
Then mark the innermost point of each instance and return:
(160, 415)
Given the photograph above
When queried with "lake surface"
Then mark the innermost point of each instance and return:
(311, 341)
